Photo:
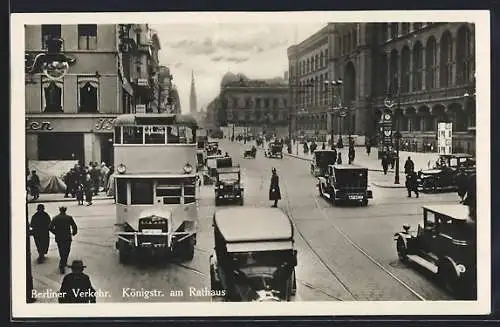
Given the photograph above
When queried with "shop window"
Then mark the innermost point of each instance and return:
(133, 134)
(87, 37)
(121, 191)
(88, 94)
(141, 192)
(60, 146)
(50, 32)
(52, 95)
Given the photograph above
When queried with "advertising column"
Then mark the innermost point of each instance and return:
(445, 138)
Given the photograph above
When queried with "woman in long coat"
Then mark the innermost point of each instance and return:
(274, 189)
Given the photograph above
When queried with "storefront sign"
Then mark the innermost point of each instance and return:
(104, 124)
(38, 126)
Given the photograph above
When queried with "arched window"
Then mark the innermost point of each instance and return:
(417, 66)
(382, 86)
(349, 45)
(465, 55)
(393, 70)
(405, 27)
(417, 26)
(354, 38)
(405, 70)
(446, 60)
(317, 63)
(326, 57)
(88, 94)
(430, 63)
(52, 95)
(322, 59)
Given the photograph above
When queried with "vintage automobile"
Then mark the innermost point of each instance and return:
(321, 160)
(250, 153)
(212, 148)
(444, 174)
(345, 183)
(228, 185)
(210, 171)
(445, 244)
(275, 150)
(254, 263)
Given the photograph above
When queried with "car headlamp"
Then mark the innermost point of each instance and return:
(187, 169)
(121, 169)
(221, 186)
(461, 268)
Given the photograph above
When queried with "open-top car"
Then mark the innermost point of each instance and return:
(256, 262)
(250, 153)
(444, 175)
(445, 244)
(345, 183)
(228, 185)
(321, 160)
(275, 150)
(212, 148)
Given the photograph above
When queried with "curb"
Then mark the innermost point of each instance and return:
(388, 185)
(310, 160)
(68, 199)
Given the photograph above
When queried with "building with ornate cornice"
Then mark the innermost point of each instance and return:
(430, 66)
(258, 105)
(113, 73)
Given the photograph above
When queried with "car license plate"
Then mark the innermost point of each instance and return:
(151, 231)
(355, 197)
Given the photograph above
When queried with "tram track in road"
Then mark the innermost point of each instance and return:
(352, 243)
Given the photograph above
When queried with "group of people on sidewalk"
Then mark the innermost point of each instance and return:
(64, 228)
(87, 181)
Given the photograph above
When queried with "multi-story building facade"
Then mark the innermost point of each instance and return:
(430, 65)
(71, 118)
(261, 105)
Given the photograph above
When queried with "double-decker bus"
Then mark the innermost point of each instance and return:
(156, 185)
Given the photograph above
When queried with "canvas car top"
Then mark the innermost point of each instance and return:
(455, 211)
(261, 224)
(348, 167)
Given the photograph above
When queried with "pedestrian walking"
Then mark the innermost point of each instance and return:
(339, 158)
(409, 166)
(351, 154)
(104, 176)
(34, 185)
(274, 188)
(95, 176)
(68, 180)
(76, 286)
(411, 183)
(88, 189)
(40, 223)
(63, 227)
(368, 147)
(80, 190)
(385, 163)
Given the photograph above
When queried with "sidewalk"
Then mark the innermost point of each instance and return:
(59, 197)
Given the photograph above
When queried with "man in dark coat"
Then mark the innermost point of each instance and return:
(34, 184)
(95, 175)
(411, 183)
(351, 154)
(69, 180)
(409, 166)
(63, 227)
(76, 286)
(339, 158)
(40, 223)
(274, 189)
(385, 163)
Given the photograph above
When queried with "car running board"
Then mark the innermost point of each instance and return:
(424, 263)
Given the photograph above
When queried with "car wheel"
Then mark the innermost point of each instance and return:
(364, 203)
(124, 253)
(402, 249)
(185, 250)
(320, 189)
(448, 277)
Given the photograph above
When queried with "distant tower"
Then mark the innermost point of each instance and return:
(192, 96)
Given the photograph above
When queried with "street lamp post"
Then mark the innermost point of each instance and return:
(397, 137)
(333, 85)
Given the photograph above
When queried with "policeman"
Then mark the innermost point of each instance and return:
(411, 183)
(76, 286)
(63, 227)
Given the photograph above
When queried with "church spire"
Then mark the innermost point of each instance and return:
(193, 106)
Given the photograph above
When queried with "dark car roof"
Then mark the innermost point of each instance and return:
(324, 150)
(253, 224)
(349, 167)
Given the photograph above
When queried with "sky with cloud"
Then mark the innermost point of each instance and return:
(211, 50)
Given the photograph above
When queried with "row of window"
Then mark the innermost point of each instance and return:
(151, 134)
(151, 192)
(87, 35)
(309, 65)
(348, 42)
(249, 102)
(52, 91)
(257, 116)
(391, 31)
(348, 123)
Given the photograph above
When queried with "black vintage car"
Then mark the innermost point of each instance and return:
(212, 148)
(445, 172)
(275, 150)
(250, 153)
(255, 263)
(345, 183)
(444, 244)
(228, 185)
(321, 160)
